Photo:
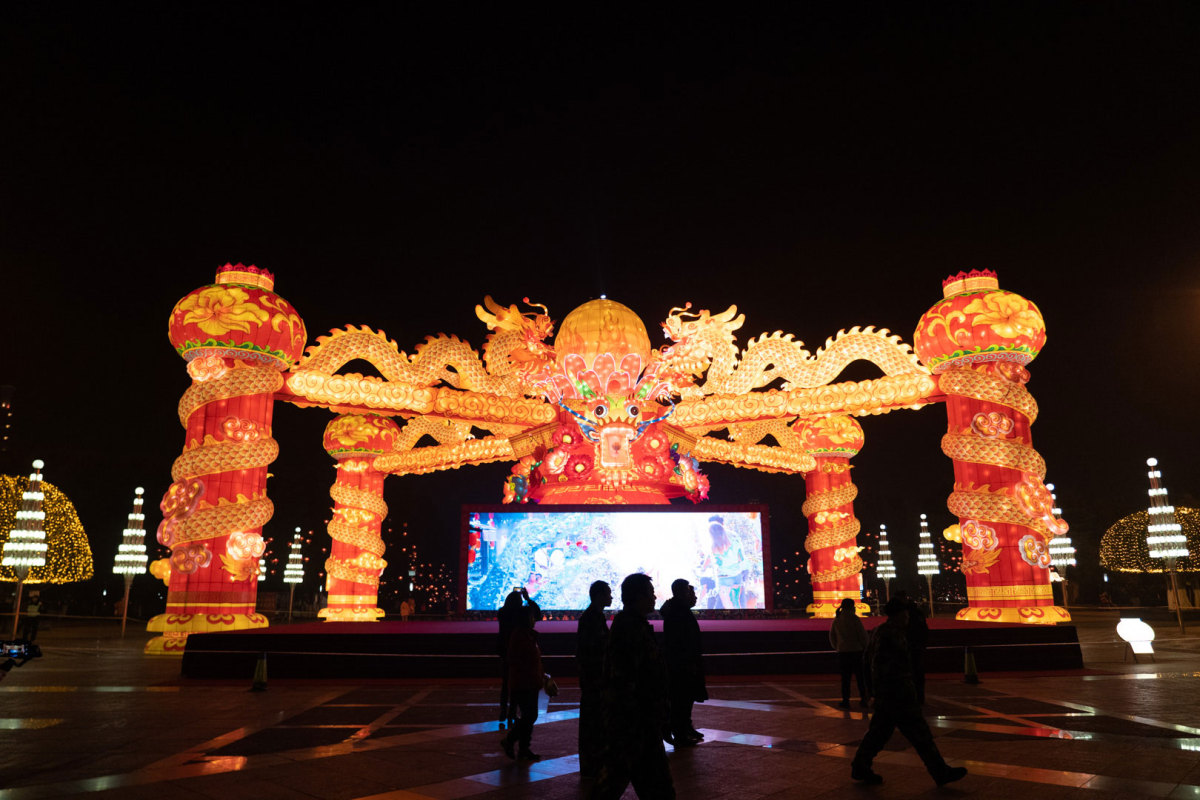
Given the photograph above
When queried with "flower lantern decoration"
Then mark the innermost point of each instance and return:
(835, 565)
(237, 337)
(610, 442)
(978, 322)
(978, 341)
(238, 316)
(355, 560)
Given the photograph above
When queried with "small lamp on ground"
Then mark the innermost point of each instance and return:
(927, 561)
(131, 554)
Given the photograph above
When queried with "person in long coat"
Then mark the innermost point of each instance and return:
(525, 680)
(685, 662)
(849, 639)
(591, 641)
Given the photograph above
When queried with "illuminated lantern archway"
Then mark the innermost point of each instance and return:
(595, 415)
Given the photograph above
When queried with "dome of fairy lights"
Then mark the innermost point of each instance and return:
(1123, 547)
(68, 555)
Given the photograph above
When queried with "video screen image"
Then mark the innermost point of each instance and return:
(557, 555)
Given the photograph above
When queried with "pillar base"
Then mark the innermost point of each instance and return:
(1028, 615)
(356, 614)
(176, 627)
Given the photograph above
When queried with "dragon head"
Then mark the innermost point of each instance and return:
(697, 339)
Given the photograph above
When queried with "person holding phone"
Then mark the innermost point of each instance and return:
(507, 617)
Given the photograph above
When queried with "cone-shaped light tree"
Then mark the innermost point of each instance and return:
(927, 560)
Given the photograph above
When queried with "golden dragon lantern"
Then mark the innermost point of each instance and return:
(594, 415)
(978, 341)
(609, 442)
(237, 337)
(834, 565)
(356, 556)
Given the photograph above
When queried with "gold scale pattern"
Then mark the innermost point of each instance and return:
(834, 535)
(211, 457)
(979, 502)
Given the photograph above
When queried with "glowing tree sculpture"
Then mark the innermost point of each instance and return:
(237, 336)
(927, 560)
(594, 415)
(832, 528)
(1062, 552)
(26, 545)
(1164, 536)
(293, 571)
(885, 570)
(131, 553)
(977, 341)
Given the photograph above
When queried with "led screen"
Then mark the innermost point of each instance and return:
(556, 555)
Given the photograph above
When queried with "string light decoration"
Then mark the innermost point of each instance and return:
(293, 571)
(927, 560)
(886, 570)
(1164, 536)
(1062, 552)
(26, 545)
(1123, 547)
(131, 553)
(68, 557)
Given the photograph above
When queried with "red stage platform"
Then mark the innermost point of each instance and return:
(468, 649)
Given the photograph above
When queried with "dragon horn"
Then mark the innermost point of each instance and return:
(683, 310)
(545, 310)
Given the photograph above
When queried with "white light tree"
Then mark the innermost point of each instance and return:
(927, 560)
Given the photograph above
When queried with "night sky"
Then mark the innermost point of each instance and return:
(821, 166)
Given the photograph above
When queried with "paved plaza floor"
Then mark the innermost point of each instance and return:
(94, 717)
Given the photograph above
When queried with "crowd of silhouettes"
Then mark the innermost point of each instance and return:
(636, 695)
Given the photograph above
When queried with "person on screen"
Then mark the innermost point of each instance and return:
(525, 680)
(635, 709)
(685, 664)
(507, 618)
(896, 704)
(728, 564)
(849, 639)
(591, 641)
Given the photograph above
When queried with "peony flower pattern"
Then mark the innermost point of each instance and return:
(217, 310)
(1007, 314)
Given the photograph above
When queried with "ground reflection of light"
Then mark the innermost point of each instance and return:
(27, 724)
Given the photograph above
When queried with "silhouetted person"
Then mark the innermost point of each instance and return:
(635, 702)
(590, 643)
(685, 665)
(525, 680)
(507, 617)
(896, 704)
(918, 638)
(33, 616)
(849, 638)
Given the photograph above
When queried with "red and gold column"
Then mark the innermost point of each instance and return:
(978, 341)
(834, 564)
(237, 336)
(355, 558)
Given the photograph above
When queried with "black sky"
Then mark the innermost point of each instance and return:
(819, 165)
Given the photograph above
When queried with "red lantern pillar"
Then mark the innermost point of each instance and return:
(978, 341)
(355, 560)
(237, 336)
(834, 565)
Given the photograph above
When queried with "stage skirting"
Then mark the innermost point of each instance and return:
(468, 649)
